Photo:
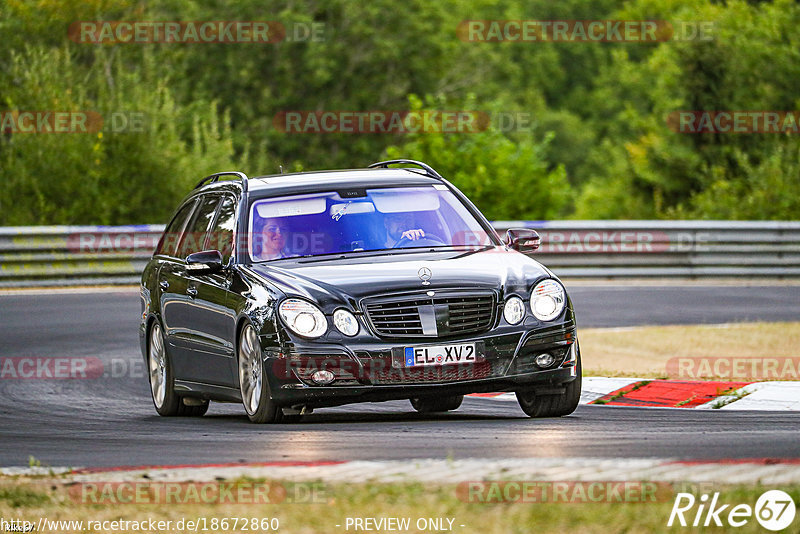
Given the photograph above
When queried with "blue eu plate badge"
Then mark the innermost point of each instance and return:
(409, 353)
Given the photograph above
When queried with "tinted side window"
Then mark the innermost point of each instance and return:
(221, 236)
(194, 237)
(169, 241)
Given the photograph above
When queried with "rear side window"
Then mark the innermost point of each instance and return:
(169, 241)
(221, 236)
(194, 237)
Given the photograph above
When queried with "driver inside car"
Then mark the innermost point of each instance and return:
(399, 227)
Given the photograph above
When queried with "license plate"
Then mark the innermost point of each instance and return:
(440, 354)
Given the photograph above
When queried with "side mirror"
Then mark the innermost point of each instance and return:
(205, 262)
(523, 239)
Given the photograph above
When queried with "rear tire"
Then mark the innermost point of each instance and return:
(162, 379)
(253, 382)
(437, 404)
(557, 405)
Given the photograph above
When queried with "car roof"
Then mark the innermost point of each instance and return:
(356, 178)
(316, 181)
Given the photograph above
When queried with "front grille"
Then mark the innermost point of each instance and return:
(397, 319)
(469, 314)
(446, 313)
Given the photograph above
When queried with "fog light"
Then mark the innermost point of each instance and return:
(545, 360)
(322, 377)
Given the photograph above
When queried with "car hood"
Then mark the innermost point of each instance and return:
(342, 280)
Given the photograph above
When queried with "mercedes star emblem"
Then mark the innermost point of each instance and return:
(425, 275)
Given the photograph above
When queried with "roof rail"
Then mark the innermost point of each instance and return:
(427, 168)
(215, 177)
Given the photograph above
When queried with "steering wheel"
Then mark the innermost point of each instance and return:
(428, 240)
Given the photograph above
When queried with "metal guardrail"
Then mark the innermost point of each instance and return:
(653, 249)
(75, 255)
(100, 255)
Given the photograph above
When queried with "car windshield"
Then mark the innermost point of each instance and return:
(361, 220)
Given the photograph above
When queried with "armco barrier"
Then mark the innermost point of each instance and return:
(77, 255)
(652, 249)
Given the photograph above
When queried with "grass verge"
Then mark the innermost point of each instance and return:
(643, 352)
(333, 504)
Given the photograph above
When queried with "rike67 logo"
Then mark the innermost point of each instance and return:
(774, 510)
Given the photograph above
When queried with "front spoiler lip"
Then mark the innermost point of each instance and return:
(313, 396)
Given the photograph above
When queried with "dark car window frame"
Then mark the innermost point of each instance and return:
(222, 198)
(200, 202)
(192, 205)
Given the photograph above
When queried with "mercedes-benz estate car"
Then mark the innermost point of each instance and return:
(299, 291)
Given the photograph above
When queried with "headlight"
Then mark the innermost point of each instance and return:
(547, 300)
(514, 310)
(346, 322)
(303, 318)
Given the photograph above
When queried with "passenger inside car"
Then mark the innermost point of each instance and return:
(271, 239)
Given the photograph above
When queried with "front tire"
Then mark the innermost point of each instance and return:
(557, 405)
(437, 404)
(253, 383)
(162, 379)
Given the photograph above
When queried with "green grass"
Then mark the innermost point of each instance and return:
(19, 496)
(730, 396)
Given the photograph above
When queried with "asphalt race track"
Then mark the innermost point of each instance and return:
(110, 421)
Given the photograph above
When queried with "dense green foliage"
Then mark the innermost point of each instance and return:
(599, 145)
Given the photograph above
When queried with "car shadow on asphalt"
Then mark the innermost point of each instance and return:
(377, 414)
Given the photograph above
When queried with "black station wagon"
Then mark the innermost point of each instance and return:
(299, 291)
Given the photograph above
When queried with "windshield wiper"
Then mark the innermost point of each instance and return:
(386, 252)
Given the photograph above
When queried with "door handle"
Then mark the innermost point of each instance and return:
(191, 291)
(163, 284)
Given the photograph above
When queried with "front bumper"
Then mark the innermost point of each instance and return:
(371, 372)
